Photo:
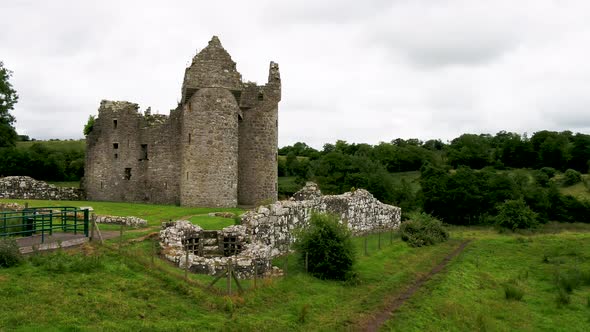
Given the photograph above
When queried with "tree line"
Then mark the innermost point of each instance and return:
(465, 181)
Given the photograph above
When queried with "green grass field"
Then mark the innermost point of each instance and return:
(104, 288)
(153, 213)
(56, 145)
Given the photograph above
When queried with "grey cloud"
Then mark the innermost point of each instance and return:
(323, 12)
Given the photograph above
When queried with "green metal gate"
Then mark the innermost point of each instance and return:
(43, 221)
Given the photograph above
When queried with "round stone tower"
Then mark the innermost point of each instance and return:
(209, 170)
(259, 141)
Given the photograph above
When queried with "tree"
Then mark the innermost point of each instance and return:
(8, 98)
(515, 214)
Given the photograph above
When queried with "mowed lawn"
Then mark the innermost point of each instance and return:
(153, 213)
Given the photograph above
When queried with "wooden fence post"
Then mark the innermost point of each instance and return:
(391, 236)
(153, 254)
(121, 237)
(92, 228)
(229, 272)
(186, 263)
(255, 271)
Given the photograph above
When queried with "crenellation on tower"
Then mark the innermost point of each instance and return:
(217, 148)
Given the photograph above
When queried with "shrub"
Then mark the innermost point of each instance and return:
(513, 292)
(89, 125)
(571, 177)
(549, 171)
(9, 253)
(423, 230)
(562, 297)
(329, 247)
(514, 214)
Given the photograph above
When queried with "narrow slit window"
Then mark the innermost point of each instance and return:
(115, 146)
(127, 173)
(260, 97)
(116, 155)
(144, 152)
(189, 138)
(187, 175)
(101, 185)
(115, 124)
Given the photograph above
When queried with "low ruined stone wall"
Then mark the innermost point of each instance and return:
(11, 207)
(24, 187)
(253, 258)
(268, 231)
(273, 224)
(127, 221)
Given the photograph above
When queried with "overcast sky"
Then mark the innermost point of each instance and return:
(361, 71)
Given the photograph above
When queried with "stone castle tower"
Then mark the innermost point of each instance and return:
(217, 148)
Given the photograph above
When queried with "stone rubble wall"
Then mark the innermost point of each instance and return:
(254, 258)
(268, 231)
(274, 224)
(24, 187)
(11, 207)
(127, 221)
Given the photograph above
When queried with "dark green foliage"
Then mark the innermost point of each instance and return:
(571, 177)
(423, 230)
(549, 171)
(328, 246)
(470, 150)
(9, 253)
(43, 161)
(563, 297)
(89, 125)
(541, 178)
(336, 173)
(516, 214)
(512, 291)
(580, 154)
(8, 98)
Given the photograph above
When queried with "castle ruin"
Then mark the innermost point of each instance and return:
(218, 148)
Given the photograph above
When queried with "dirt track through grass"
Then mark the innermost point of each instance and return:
(391, 307)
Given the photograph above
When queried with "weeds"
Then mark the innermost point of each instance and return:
(62, 262)
(303, 313)
(9, 253)
(562, 298)
(512, 291)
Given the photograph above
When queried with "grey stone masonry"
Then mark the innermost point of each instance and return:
(218, 147)
(273, 224)
(126, 221)
(268, 231)
(24, 187)
(176, 238)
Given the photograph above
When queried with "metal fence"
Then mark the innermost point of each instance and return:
(44, 221)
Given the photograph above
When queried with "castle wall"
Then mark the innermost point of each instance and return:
(116, 166)
(198, 156)
(209, 172)
(258, 147)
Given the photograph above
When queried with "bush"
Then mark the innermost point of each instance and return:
(514, 214)
(9, 253)
(513, 292)
(549, 171)
(423, 230)
(571, 177)
(329, 248)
